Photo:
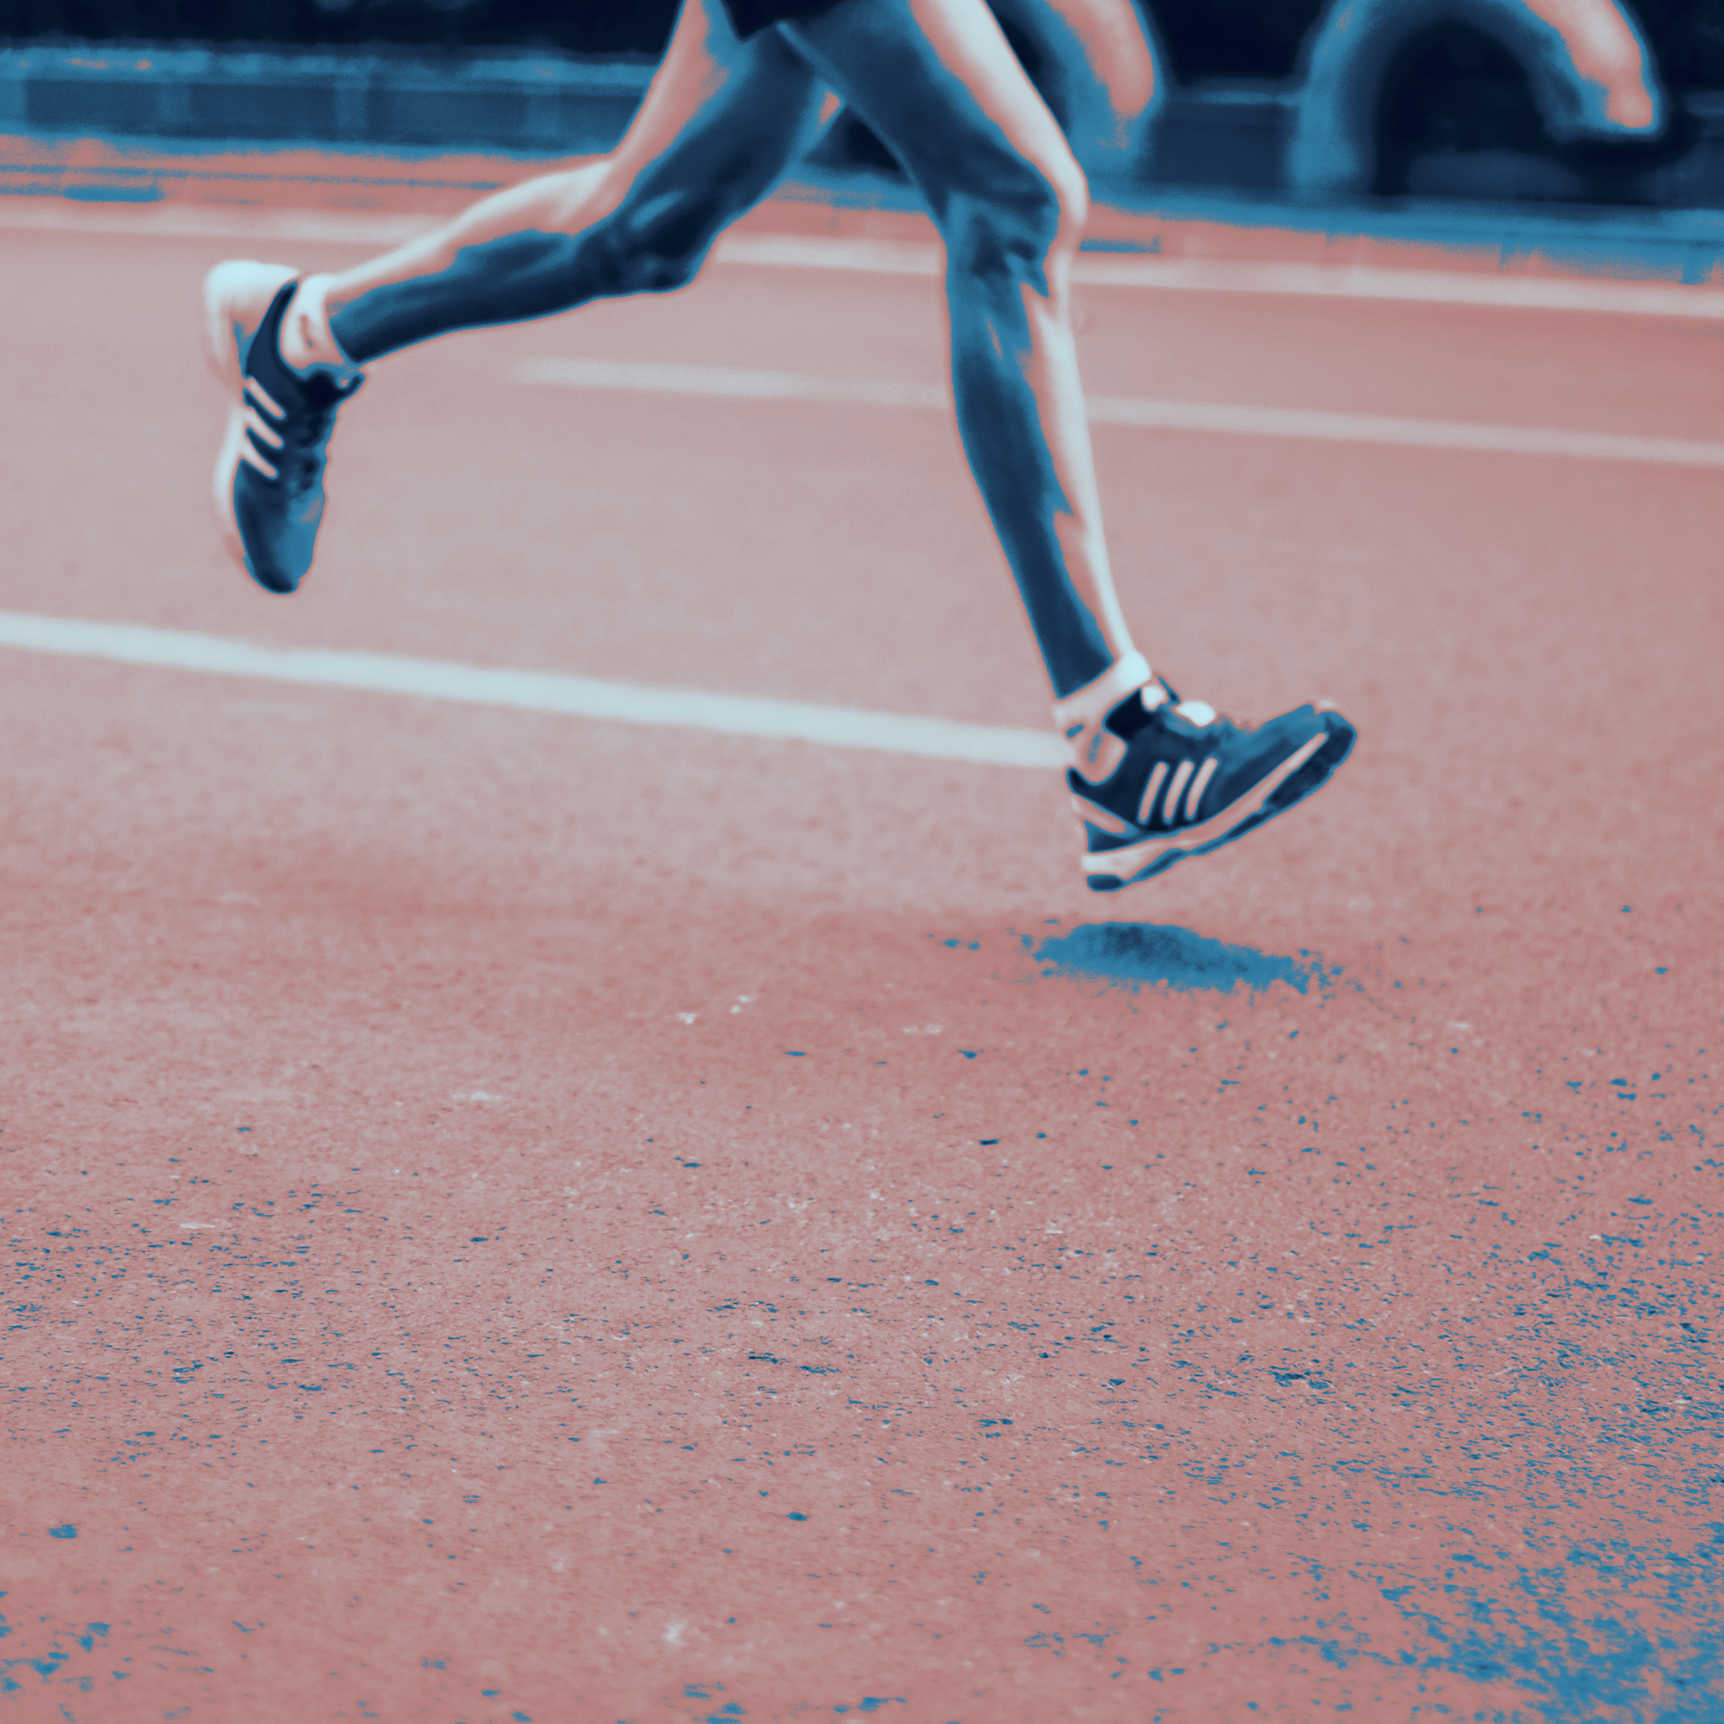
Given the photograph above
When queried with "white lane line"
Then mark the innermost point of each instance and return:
(210, 221)
(1297, 280)
(1142, 413)
(918, 258)
(732, 381)
(535, 691)
(1407, 433)
(1409, 286)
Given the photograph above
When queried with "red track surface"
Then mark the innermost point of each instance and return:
(516, 1218)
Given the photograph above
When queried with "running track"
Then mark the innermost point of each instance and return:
(513, 1214)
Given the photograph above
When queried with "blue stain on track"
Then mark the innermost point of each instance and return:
(1645, 1646)
(1136, 953)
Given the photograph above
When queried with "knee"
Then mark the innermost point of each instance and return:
(1027, 225)
(657, 252)
(656, 241)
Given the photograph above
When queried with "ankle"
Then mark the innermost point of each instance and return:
(1098, 697)
(305, 338)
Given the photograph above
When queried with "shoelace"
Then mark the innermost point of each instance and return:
(306, 432)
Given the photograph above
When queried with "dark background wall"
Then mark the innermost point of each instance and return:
(1232, 39)
(1260, 38)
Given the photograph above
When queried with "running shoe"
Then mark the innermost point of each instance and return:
(269, 474)
(1170, 778)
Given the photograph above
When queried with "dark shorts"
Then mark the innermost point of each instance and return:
(752, 16)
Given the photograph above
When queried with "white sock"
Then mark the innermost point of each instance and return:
(1081, 716)
(306, 339)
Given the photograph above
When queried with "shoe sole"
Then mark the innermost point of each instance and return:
(236, 294)
(1304, 771)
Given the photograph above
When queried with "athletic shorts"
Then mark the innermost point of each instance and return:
(753, 16)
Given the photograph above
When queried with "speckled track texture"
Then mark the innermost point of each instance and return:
(515, 1218)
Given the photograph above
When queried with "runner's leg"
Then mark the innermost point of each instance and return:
(721, 121)
(1153, 778)
(940, 84)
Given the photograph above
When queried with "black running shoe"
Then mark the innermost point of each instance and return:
(269, 474)
(1179, 780)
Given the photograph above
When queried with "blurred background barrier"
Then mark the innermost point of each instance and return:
(1588, 78)
(1576, 102)
(521, 102)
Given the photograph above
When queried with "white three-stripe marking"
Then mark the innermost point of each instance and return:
(1146, 807)
(267, 401)
(1140, 413)
(1200, 784)
(1170, 808)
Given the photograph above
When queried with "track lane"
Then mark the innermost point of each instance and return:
(1356, 1326)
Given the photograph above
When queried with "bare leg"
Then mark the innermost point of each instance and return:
(719, 124)
(939, 83)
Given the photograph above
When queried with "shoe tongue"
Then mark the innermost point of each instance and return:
(1155, 696)
(1132, 713)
